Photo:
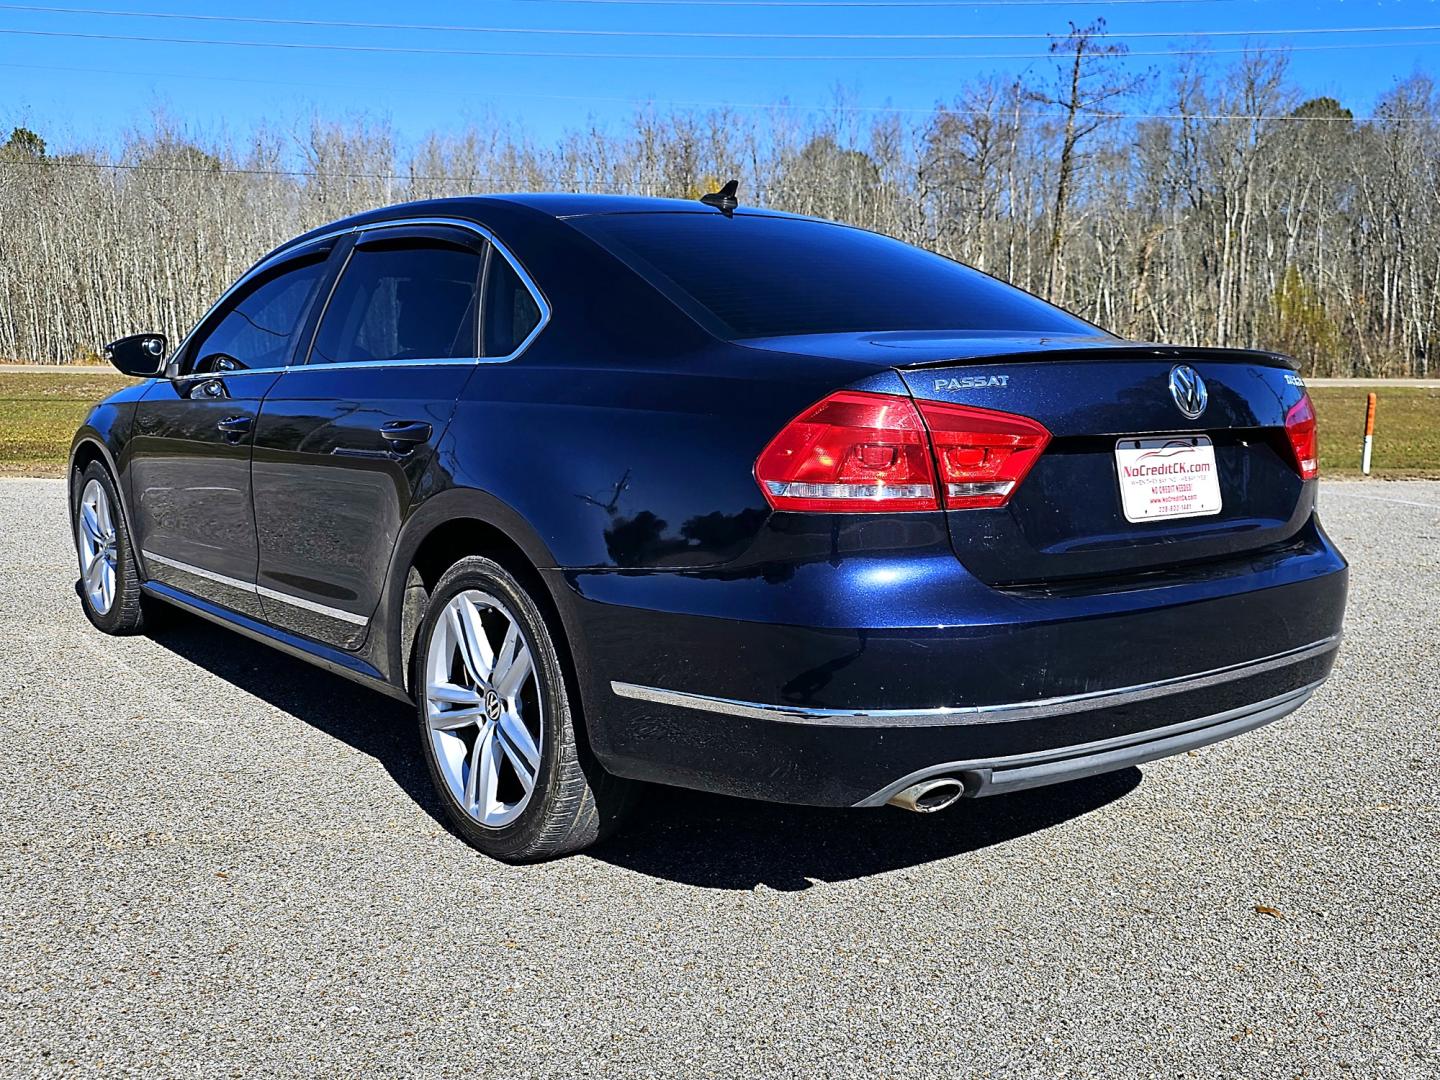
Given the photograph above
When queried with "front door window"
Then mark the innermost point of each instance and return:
(258, 330)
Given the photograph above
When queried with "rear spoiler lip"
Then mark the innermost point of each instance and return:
(1118, 350)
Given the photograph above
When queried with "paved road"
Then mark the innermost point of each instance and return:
(215, 861)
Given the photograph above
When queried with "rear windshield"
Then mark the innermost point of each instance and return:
(750, 276)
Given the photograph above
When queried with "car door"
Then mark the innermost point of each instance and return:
(343, 440)
(189, 462)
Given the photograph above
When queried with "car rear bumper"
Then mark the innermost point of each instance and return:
(995, 776)
(862, 758)
(946, 678)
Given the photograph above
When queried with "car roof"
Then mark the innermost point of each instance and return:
(564, 204)
(556, 205)
(536, 206)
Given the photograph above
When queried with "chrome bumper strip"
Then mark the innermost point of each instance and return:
(1017, 772)
(256, 590)
(947, 716)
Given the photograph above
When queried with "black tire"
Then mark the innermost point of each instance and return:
(126, 612)
(573, 802)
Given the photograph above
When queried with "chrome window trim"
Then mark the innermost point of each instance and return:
(541, 301)
(974, 714)
(373, 365)
(479, 230)
(241, 281)
(256, 590)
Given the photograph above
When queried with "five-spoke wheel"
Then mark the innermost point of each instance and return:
(109, 582)
(486, 719)
(498, 720)
(96, 540)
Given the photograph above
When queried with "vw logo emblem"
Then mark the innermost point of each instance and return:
(1188, 390)
(492, 705)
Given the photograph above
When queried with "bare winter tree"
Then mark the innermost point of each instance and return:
(1240, 214)
(1087, 88)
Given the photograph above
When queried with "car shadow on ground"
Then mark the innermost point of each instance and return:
(708, 841)
(723, 843)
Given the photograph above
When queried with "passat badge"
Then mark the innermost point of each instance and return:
(1188, 390)
(972, 382)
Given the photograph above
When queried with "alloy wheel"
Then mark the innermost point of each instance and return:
(483, 708)
(98, 546)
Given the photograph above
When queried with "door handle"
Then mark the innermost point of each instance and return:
(235, 427)
(404, 435)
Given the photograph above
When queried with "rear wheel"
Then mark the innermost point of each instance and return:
(109, 578)
(497, 722)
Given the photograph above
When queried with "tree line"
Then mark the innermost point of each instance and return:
(1236, 212)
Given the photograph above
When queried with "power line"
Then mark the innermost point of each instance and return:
(587, 55)
(546, 31)
(683, 103)
(873, 3)
(226, 170)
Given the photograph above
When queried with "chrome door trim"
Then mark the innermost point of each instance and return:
(256, 590)
(958, 715)
(198, 571)
(311, 605)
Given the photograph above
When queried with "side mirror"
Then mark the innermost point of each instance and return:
(141, 355)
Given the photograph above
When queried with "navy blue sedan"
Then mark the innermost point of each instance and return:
(620, 489)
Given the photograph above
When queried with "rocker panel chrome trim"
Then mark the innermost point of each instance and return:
(974, 714)
(323, 656)
(258, 590)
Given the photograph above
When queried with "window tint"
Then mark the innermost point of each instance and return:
(258, 329)
(413, 302)
(510, 310)
(752, 276)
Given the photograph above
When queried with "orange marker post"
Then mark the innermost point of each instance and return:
(1369, 434)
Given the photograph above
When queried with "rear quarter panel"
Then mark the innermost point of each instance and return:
(630, 468)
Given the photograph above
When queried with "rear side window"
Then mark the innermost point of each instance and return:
(511, 312)
(403, 302)
(753, 276)
(259, 329)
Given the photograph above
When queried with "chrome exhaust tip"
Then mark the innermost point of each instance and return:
(929, 796)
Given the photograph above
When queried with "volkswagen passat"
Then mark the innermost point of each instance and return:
(621, 489)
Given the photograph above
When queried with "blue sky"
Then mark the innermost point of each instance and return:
(84, 89)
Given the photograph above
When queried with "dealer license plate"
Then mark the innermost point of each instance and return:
(1169, 478)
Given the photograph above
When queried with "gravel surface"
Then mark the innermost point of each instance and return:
(216, 861)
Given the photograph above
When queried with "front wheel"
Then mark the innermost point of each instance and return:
(109, 580)
(497, 723)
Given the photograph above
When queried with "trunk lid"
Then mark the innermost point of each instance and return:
(1066, 519)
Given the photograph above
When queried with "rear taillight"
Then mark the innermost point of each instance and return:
(983, 454)
(857, 452)
(851, 452)
(1300, 427)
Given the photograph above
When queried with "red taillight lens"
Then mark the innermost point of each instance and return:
(1304, 440)
(852, 452)
(858, 452)
(983, 454)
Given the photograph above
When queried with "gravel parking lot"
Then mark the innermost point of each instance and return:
(217, 861)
